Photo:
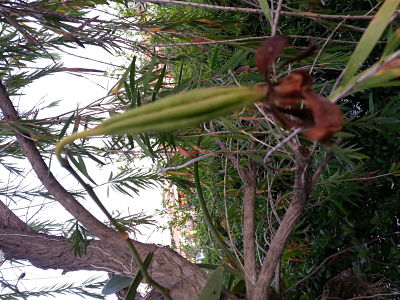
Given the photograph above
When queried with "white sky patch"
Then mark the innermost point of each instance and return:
(76, 91)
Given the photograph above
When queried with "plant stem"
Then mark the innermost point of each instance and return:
(207, 216)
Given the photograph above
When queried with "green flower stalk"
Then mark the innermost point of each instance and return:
(174, 112)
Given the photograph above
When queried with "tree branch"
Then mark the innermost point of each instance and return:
(9, 220)
(302, 189)
(47, 178)
(248, 176)
(53, 252)
(259, 11)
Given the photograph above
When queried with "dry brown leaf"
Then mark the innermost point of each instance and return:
(393, 64)
(328, 118)
(209, 22)
(269, 52)
(292, 100)
(71, 37)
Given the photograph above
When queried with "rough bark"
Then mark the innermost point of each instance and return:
(53, 252)
(248, 176)
(18, 241)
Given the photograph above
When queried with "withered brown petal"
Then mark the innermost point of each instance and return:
(292, 86)
(269, 52)
(328, 118)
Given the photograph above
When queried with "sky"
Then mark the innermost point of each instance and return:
(74, 91)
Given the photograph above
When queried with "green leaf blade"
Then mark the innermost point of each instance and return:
(267, 11)
(212, 289)
(369, 39)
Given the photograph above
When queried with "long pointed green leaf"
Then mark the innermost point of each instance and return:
(127, 88)
(149, 74)
(132, 71)
(138, 279)
(159, 83)
(64, 129)
(235, 60)
(212, 289)
(369, 39)
(393, 43)
(267, 11)
(80, 165)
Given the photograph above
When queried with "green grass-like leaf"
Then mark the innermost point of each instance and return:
(267, 11)
(369, 39)
(213, 287)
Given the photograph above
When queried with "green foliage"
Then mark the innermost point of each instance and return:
(78, 239)
(130, 181)
(344, 212)
(138, 278)
(88, 289)
(350, 220)
(213, 287)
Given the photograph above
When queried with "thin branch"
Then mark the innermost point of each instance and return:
(282, 143)
(305, 278)
(222, 146)
(302, 191)
(47, 178)
(263, 37)
(277, 14)
(375, 296)
(324, 45)
(357, 179)
(188, 163)
(259, 11)
(323, 164)
(363, 76)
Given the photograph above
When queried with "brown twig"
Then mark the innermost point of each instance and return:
(259, 11)
(263, 37)
(302, 190)
(277, 14)
(248, 176)
(324, 163)
(374, 296)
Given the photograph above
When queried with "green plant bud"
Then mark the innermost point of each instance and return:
(178, 111)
